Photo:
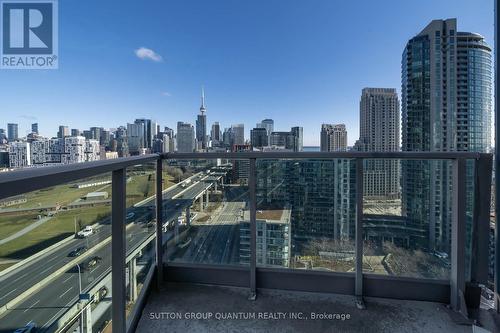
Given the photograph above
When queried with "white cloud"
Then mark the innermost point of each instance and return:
(166, 93)
(148, 54)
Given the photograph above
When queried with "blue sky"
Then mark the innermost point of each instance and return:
(301, 63)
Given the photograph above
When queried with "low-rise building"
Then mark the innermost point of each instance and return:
(45, 152)
(273, 237)
(19, 154)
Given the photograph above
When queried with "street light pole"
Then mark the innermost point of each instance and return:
(80, 285)
(79, 277)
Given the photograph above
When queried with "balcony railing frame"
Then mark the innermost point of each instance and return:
(456, 285)
(496, 101)
(359, 284)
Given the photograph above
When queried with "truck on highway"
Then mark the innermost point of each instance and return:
(85, 232)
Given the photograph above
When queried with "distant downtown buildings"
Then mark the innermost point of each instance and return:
(379, 132)
(263, 137)
(12, 132)
(34, 128)
(333, 137)
(144, 136)
(216, 134)
(186, 142)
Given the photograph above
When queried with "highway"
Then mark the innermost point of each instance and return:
(217, 242)
(49, 303)
(24, 277)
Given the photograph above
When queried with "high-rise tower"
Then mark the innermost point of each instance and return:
(201, 123)
(379, 132)
(333, 137)
(446, 106)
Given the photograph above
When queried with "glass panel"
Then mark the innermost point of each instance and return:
(407, 220)
(204, 211)
(140, 229)
(55, 244)
(306, 213)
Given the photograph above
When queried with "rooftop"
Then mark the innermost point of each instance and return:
(382, 207)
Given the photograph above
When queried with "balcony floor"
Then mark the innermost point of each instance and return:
(381, 315)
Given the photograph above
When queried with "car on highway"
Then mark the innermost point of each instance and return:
(92, 262)
(85, 232)
(30, 327)
(78, 251)
(186, 183)
(130, 215)
(102, 293)
(151, 224)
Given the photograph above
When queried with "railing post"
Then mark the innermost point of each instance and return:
(253, 229)
(457, 278)
(118, 208)
(496, 94)
(359, 234)
(159, 222)
(481, 219)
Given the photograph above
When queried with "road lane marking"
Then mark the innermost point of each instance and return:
(32, 305)
(68, 278)
(21, 276)
(64, 293)
(10, 292)
(46, 269)
(54, 258)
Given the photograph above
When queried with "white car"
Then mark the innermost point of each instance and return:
(87, 231)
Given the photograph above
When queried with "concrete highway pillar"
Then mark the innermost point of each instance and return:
(201, 202)
(215, 186)
(207, 200)
(132, 280)
(188, 216)
(86, 323)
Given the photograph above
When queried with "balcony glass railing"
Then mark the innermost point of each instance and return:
(140, 232)
(300, 221)
(55, 249)
(306, 214)
(205, 218)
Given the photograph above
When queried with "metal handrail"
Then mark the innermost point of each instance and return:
(423, 155)
(31, 179)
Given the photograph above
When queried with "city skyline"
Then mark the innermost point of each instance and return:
(300, 80)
